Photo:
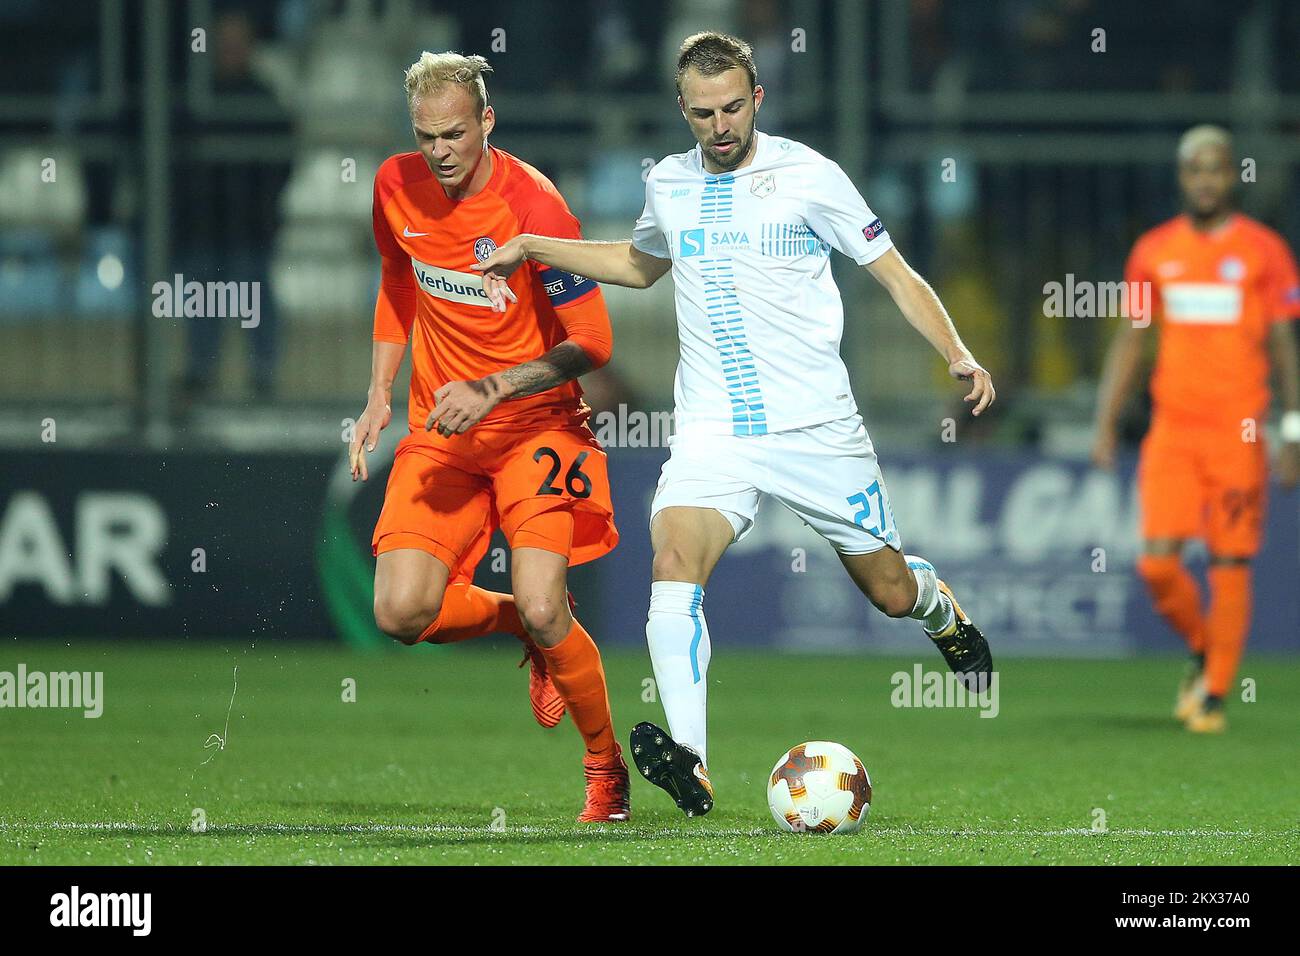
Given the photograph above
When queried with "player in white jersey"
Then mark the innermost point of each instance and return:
(746, 222)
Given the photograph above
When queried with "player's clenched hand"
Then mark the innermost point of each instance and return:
(378, 413)
(458, 406)
(497, 269)
(981, 393)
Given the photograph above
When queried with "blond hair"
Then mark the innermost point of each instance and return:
(433, 71)
(1198, 137)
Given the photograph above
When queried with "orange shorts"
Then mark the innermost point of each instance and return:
(1197, 480)
(544, 482)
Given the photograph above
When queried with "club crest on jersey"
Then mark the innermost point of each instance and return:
(870, 232)
(484, 247)
(763, 186)
(1232, 269)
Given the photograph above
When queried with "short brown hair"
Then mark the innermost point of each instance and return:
(711, 53)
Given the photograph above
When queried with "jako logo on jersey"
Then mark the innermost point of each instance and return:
(484, 247)
(452, 286)
(870, 232)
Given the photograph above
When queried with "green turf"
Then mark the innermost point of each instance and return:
(440, 740)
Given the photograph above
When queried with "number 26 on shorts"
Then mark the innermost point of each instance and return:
(576, 483)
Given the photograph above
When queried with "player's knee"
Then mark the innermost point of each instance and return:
(893, 598)
(1158, 570)
(405, 619)
(541, 615)
(672, 564)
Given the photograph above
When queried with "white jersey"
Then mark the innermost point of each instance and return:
(759, 316)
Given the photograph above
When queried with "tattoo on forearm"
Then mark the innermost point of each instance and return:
(561, 364)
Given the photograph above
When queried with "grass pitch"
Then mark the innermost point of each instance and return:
(438, 761)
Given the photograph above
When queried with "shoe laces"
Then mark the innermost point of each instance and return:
(533, 655)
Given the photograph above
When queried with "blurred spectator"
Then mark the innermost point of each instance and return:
(226, 213)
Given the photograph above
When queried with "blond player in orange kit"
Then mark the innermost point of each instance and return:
(1224, 292)
(498, 434)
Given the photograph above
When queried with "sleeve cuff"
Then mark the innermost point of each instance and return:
(874, 253)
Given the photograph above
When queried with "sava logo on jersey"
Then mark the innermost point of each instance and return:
(692, 242)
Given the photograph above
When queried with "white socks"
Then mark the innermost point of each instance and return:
(933, 609)
(679, 650)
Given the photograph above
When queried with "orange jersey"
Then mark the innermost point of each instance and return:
(1215, 296)
(429, 295)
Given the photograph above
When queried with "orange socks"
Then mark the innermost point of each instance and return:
(1176, 597)
(1228, 624)
(469, 611)
(575, 669)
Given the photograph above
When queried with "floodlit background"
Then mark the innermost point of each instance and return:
(167, 477)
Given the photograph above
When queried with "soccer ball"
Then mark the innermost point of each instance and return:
(819, 787)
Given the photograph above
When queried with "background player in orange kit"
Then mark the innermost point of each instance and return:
(1224, 289)
(498, 433)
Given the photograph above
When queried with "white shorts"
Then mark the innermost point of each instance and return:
(826, 474)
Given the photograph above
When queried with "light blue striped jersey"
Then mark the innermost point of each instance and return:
(759, 317)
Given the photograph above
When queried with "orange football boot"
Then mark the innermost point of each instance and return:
(609, 791)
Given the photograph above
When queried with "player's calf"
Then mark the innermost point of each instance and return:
(884, 577)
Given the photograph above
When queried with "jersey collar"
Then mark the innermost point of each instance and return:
(1217, 234)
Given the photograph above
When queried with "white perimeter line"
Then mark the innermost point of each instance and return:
(146, 829)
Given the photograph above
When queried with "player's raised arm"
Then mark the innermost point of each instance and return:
(637, 263)
(922, 308)
(617, 263)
